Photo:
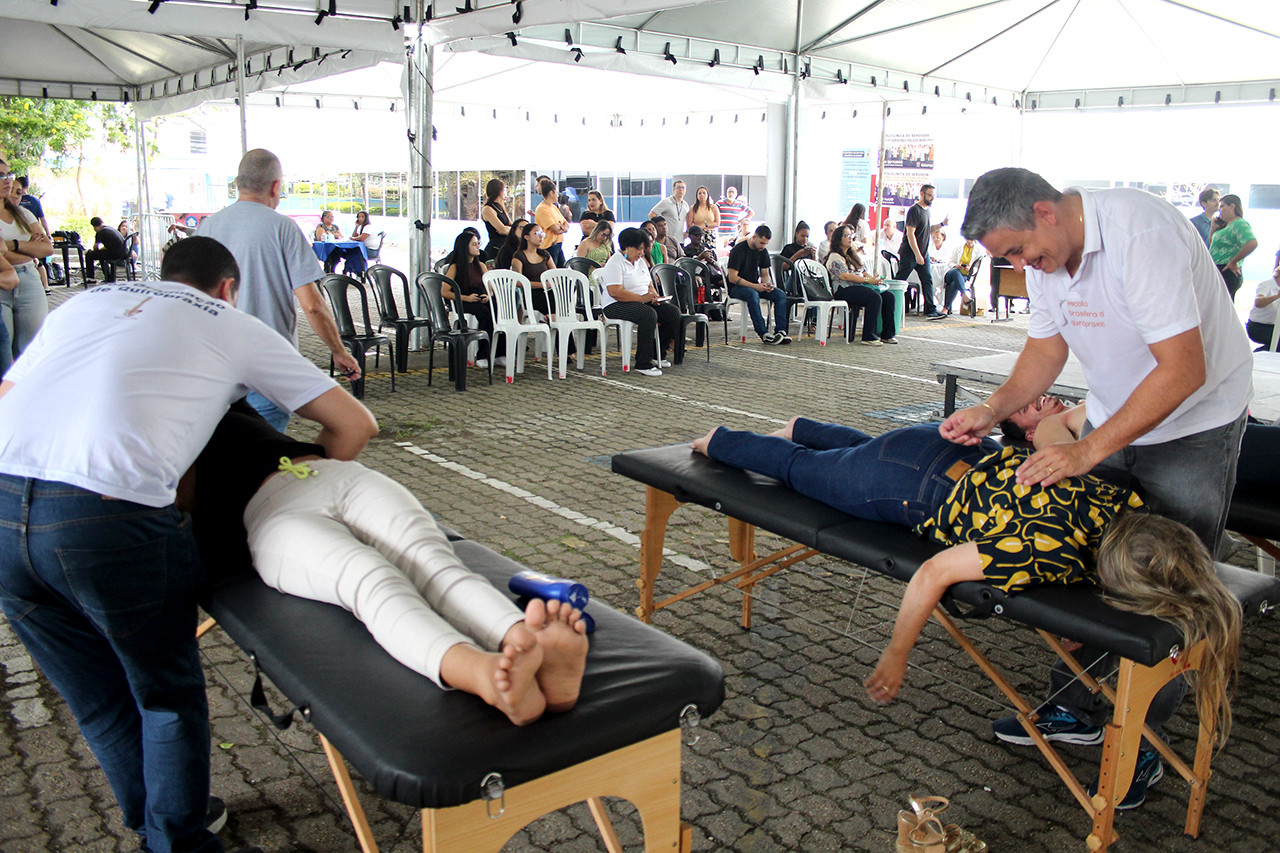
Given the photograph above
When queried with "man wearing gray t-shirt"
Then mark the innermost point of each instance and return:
(277, 266)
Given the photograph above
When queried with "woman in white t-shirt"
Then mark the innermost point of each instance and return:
(1262, 319)
(629, 295)
(25, 306)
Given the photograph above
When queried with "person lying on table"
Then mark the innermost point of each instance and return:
(1013, 536)
(338, 532)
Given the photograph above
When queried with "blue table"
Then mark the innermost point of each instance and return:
(324, 249)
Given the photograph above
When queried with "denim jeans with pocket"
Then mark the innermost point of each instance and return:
(899, 477)
(103, 595)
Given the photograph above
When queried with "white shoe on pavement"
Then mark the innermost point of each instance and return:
(649, 371)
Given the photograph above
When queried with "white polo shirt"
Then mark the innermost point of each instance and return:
(124, 384)
(618, 270)
(1144, 277)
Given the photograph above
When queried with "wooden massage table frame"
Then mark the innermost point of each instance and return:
(1137, 685)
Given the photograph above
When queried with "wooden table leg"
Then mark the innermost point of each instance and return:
(658, 506)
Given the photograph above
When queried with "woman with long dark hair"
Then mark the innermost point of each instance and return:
(494, 216)
(25, 306)
(597, 211)
(860, 290)
(531, 261)
(1231, 242)
(467, 271)
(509, 246)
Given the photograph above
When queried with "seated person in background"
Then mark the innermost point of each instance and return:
(860, 290)
(108, 246)
(532, 261)
(799, 247)
(734, 211)
(1078, 529)
(597, 211)
(857, 220)
(1262, 319)
(704, 213)
(598, 245)
(629, 295)
(509, 246)
(825, 246)
(340, 533)
(362, 233)
(958, 268)
(327, 230)
(702, 246)
(655, 252)
(662, 236)
(749, 281)
(466, 270)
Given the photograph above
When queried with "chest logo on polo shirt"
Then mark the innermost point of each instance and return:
(1082, 315)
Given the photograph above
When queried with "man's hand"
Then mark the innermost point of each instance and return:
(349, 367)
(968, 426)
(1056, 462)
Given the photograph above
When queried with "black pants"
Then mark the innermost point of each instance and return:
(484, 321)
(664, 317)
(108, 268)
(906, 264)
(1232, 280)
(1260, 333)
(871, 303)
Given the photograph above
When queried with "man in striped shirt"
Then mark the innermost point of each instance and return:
(733, 210)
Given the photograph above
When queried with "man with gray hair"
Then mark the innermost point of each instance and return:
(277, 266)
(1122, 279)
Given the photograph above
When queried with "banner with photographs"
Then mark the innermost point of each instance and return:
(908, 165)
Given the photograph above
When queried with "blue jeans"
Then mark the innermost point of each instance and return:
(1190, 480)
(103, 595)
(270, 412)
(6, 351)
(954, 286)
(752, 297)
(899, 477)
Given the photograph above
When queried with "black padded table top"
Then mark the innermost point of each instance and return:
(1255, 511)
(1074, 612)
(428, 748)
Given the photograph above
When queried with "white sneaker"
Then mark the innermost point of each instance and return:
(890, 341)
(664, 363)
(649, 371)
(500, 361)
(871, 343)
(482, 363)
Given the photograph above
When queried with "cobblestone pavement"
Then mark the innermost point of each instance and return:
(797, 758)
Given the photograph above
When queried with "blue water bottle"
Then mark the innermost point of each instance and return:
(537, 585)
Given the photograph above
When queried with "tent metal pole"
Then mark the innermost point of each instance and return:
(240, 95)
(144, 198)
(884, 120)
(790, 217)
(420, 61)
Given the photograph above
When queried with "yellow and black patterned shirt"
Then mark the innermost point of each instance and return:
(1028, 535)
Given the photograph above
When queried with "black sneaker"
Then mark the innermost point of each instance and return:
(935, 315)
(1054, 723)
(1148, 771)
(216, 817)
(770, 338)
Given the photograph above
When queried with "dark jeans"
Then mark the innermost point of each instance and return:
(1260, 333)
(1232, 280)
(103, 595)
(484, 321)
(954, 286)
(859, 297)
(907, 263)
(898, 477)
(108, 268)
(557, 254)
(752, 297)
(1188, 479)
(664, 317)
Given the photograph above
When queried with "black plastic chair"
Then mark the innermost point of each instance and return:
(893, 262)
(704, 276)
(453, 333)
(582, 265)
(677, 284)
(784, 276)
(380, 278)
(336, 288)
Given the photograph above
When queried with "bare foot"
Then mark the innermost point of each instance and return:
(700, 445)
(562, 636)
(787, 430)
(506, 679)
(884, 683)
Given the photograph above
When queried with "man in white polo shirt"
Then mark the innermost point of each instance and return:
(1122, 279)
(100, 417)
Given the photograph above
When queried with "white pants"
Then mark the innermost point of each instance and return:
(353, 537)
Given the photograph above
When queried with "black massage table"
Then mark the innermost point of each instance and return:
(1255, 515)
(1149, 648)
(478, 778)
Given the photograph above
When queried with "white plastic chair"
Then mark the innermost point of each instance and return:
(506, 290)
(564, 286)
(624, 329)
(824, 308)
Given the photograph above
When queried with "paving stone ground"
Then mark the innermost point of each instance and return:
(797, 758)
